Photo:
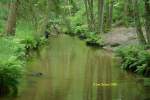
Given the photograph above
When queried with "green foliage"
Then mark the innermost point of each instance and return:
(80, 29)
(134, 58)
(78, 18)
(42, 41)
(19, 49)
(94, 38)
(77, 23)
(11, 63)
(9, 47)
(6, 1)
(12, 54)
(11, 71)
(27, 36)
(3, 13)
(30, 43)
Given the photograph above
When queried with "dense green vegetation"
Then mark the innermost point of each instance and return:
(13, 59)
(24, 25)
(135, 58)
(11, 63)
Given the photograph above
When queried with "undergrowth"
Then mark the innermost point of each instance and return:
(13, 51)
(135, 59)
(79, 28)
(12, 63)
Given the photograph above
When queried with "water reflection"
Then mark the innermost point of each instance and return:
(72, 71)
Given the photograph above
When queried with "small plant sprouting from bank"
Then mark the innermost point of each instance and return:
(135, 59)
(94, 39)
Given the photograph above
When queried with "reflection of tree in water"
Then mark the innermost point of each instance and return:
(97, 71)
(64, 85)
(129, 88)
(104, 75)
(89, 74)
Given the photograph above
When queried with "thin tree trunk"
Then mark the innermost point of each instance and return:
(12, 18)
(101, 4)
(147, 19)
(111, 4)
(91, 15)
(125, 19)
(89, 6)
(109, 15)
(138, 23)
(87, 13)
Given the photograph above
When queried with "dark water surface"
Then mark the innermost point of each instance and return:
(72, 71)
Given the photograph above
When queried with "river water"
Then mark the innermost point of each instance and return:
(66, 69)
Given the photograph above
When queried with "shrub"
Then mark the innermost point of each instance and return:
(19, 49)
(134, 58)
(12, 57)
(42, 41)
(94, 40)
(33, 42)
(80, 29)
(11, 64)
(11, 71)
(77, 23)
(30, 43)
(9, 47)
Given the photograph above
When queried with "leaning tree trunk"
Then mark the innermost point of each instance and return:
(147, 19)
(138, 23)
(101, 4)
(12, 17)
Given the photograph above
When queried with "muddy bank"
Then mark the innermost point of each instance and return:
(119, 36)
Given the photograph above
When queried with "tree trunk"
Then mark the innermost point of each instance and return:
(138, 23)
(42, 27)
(75, 8)
(101, 4)
(12, 18)
(4, 90)
(147, 19)
(126, 11)
(90, 14)
(110, 15)
(92, 19)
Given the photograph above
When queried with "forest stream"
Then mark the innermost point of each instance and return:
(66, 69)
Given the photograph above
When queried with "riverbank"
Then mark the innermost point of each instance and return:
(124, 43)
(13, 53)
(120, 36)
